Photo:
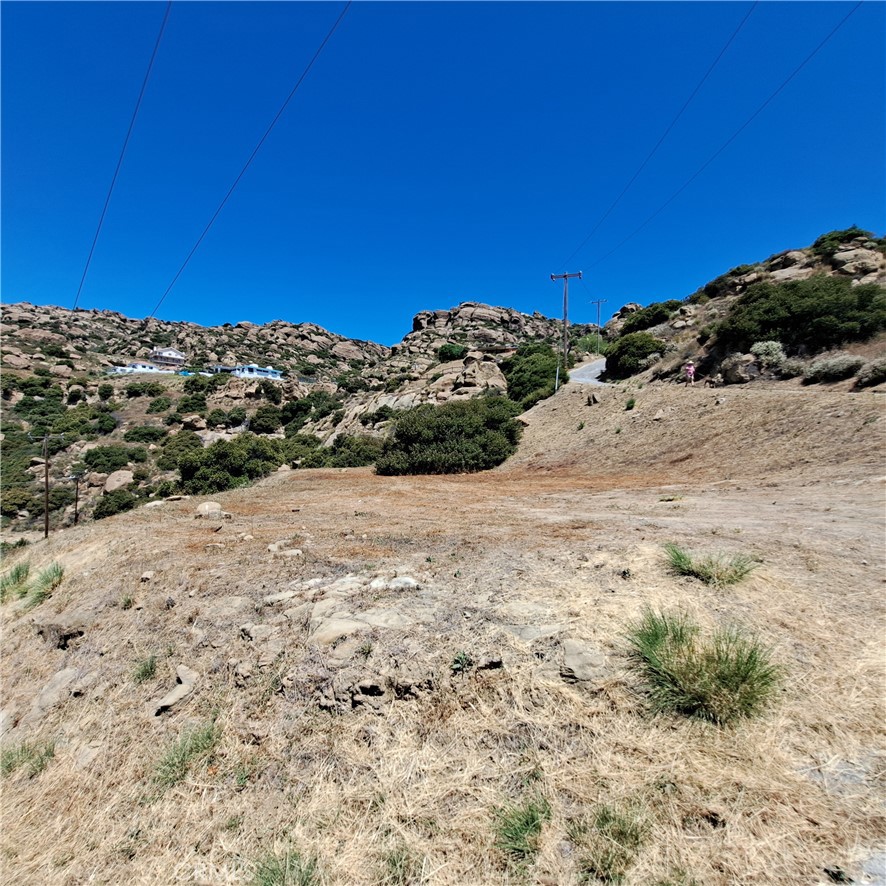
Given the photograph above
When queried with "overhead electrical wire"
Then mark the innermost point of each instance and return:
(664, 135)
(122, 153)
(732, 137)
(246, 166)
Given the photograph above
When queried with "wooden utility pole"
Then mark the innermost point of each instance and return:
(598, 302)
(46, 486)
(565, 279)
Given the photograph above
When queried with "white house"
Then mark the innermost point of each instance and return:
(250, 370)
(169, 357)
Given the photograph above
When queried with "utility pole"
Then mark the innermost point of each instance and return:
(46, 486)
(598, 302)
(565, 279)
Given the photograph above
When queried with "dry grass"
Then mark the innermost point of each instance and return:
(408, 792)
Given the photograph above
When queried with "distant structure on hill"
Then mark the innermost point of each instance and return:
(167, 358)
(250, 370)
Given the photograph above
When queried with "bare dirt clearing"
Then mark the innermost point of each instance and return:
(442, 647)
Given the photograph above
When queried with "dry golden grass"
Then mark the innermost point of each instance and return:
(773, 800)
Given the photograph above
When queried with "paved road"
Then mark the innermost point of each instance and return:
(588, 373)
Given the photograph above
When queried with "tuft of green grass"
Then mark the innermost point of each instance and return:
(126, 602)
(518, 828)
(290, 869)
(631, 403)
(145, 670)
(34, 757)
(400, 867)
(15, 582)
(194, 745)
(608, 842)
(723, 678)
(42, 587)
(716, 570)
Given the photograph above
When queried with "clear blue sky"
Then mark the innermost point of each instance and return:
(436, 153)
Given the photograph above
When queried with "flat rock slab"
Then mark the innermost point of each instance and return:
(386, 618)
(53, 693)
(334, 629)
(581, 661)
(529, 633)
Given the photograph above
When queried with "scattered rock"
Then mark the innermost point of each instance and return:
(187, 679)
(118, 480)
(581, 662)
(147, 576)
(54, 692)
(209, 510)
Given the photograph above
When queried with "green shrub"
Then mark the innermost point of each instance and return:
(608, 842)
(204, 384)
(145, 434)
(114, 503)
(145, 670)
(713, 570)
(652, 315)
(834, 368)
(769, 354)
(722, 679)
(451, 351)
(818, 313)
(627, 353)
(458, 437)
(353, 451)
(834, 241)
(271, 391)
(631, 403)
(352, 382)
(176, 447)
(383, 413)
(226, 464)
(792, 367)
(191, 404)
(107, 459)
(159, 404)
(295, 414)
(873, 373)
(266, 420)
(106, 423)
(531, 373)
(236, 417)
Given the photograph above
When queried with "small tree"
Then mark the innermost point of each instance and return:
(627, 354)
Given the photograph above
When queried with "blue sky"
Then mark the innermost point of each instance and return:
(436, 153)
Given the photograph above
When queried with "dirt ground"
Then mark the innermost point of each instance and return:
(379, 758)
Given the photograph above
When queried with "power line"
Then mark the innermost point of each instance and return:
(252, 156)
(665, 134)
(731, 138)
(123, 151)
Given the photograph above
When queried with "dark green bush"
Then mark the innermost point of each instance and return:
(266, 420)
(226, 464)
(531, 373)
(176, 447)
(159, 404)
(451, 351)
(353, 451)
(833, 241)
(819, 313)
(114, 503)
(236, 417)
(383, 413)
(627, 353)
(317, 405)
(352, 382)
(191, 403)
(204, 384)
(652, 315)
(270, 391)
(218, 418)
(107, 459)
(105, 391)
(145, 434)
(473, 435)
